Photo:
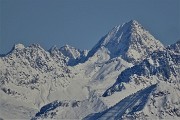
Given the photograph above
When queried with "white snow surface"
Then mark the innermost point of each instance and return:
(128, 74)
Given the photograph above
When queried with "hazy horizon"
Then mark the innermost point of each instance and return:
(82, 23)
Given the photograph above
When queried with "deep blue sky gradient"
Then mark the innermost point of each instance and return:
(81, 23)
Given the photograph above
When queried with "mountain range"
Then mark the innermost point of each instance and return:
(128, 74)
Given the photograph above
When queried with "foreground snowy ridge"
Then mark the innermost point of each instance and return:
(128, 74)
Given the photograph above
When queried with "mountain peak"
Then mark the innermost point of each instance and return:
(132, 26)
(130, 40)
(18, 46)
(135, 25)
(133, 22)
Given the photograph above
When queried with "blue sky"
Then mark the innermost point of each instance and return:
(81, 23)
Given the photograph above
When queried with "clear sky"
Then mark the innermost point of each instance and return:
(81, 23)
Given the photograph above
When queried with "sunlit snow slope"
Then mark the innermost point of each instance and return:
(128, 74)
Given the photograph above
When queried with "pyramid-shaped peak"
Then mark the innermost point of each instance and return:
(133, 25)
(130, 41)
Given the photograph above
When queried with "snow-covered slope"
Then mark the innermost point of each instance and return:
(36, 77)
(158, 101)
(124, 46)
(164, 65)
(128, 74)
(71, 109)
(161, 70)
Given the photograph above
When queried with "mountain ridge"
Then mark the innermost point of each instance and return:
(128, 63)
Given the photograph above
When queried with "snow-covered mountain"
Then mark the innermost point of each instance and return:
(155, 84)
(128, 74)
(162, 64)
(30, 75)
(157, 101)
(130, 41)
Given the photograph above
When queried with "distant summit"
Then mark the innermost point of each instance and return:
(18, 46)
(130, 41)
